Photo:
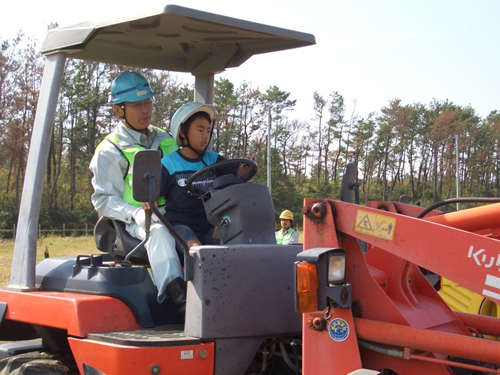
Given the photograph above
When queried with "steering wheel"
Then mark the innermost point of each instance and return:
(253, 167)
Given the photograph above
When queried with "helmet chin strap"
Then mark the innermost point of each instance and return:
(123, 118)
(202, 152)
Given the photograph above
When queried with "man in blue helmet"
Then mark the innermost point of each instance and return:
(111, 166)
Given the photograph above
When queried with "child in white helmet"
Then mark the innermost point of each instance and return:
(192, 129)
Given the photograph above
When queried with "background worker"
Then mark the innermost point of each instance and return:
(112, 165)
(286, 235)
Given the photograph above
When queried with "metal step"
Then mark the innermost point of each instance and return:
(169, 335)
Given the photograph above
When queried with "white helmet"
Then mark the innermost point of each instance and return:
(185, 112)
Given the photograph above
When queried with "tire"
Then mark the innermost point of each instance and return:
(37, 363)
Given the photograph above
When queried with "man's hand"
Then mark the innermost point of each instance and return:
(139, 217)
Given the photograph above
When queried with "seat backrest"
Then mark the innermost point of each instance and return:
(111, 237)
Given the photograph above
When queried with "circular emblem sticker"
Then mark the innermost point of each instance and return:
(338, 329)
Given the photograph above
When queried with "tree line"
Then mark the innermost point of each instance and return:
(400, 149)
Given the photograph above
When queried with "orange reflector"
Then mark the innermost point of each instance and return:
(307, 287)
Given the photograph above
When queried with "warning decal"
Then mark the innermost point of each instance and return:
(375, 225)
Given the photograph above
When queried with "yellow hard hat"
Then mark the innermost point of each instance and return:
(287, 215)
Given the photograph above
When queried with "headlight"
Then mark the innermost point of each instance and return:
(321, 280)
(336, 269)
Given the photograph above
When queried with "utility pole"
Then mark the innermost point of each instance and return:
(269, 149)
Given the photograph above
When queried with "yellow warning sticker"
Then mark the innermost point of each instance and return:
(375, 225)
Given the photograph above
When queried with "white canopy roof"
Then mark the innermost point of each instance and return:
(175, 39)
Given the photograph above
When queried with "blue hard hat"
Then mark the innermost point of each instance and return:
(130, 87)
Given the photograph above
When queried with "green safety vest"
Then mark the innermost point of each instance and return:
(284, 237)
(166, 146)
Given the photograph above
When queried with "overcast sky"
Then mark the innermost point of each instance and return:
(369, 51)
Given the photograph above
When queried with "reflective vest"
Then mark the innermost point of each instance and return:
(166, 146)
(284, 237)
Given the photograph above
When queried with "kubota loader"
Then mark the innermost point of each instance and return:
(352, 300)
(366, 302)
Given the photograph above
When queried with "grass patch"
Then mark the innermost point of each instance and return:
(56, 247)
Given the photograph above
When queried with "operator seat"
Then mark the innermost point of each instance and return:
(111, 237)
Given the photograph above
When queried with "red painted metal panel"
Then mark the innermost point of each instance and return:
(79, 314)
(328, 351)
(120, 359)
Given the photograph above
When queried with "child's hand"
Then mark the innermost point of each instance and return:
(243, 167)
(251, 157)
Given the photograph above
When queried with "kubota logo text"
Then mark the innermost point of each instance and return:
(482, 259)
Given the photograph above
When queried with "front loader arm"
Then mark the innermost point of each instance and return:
(386, 246)
(469, 259)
